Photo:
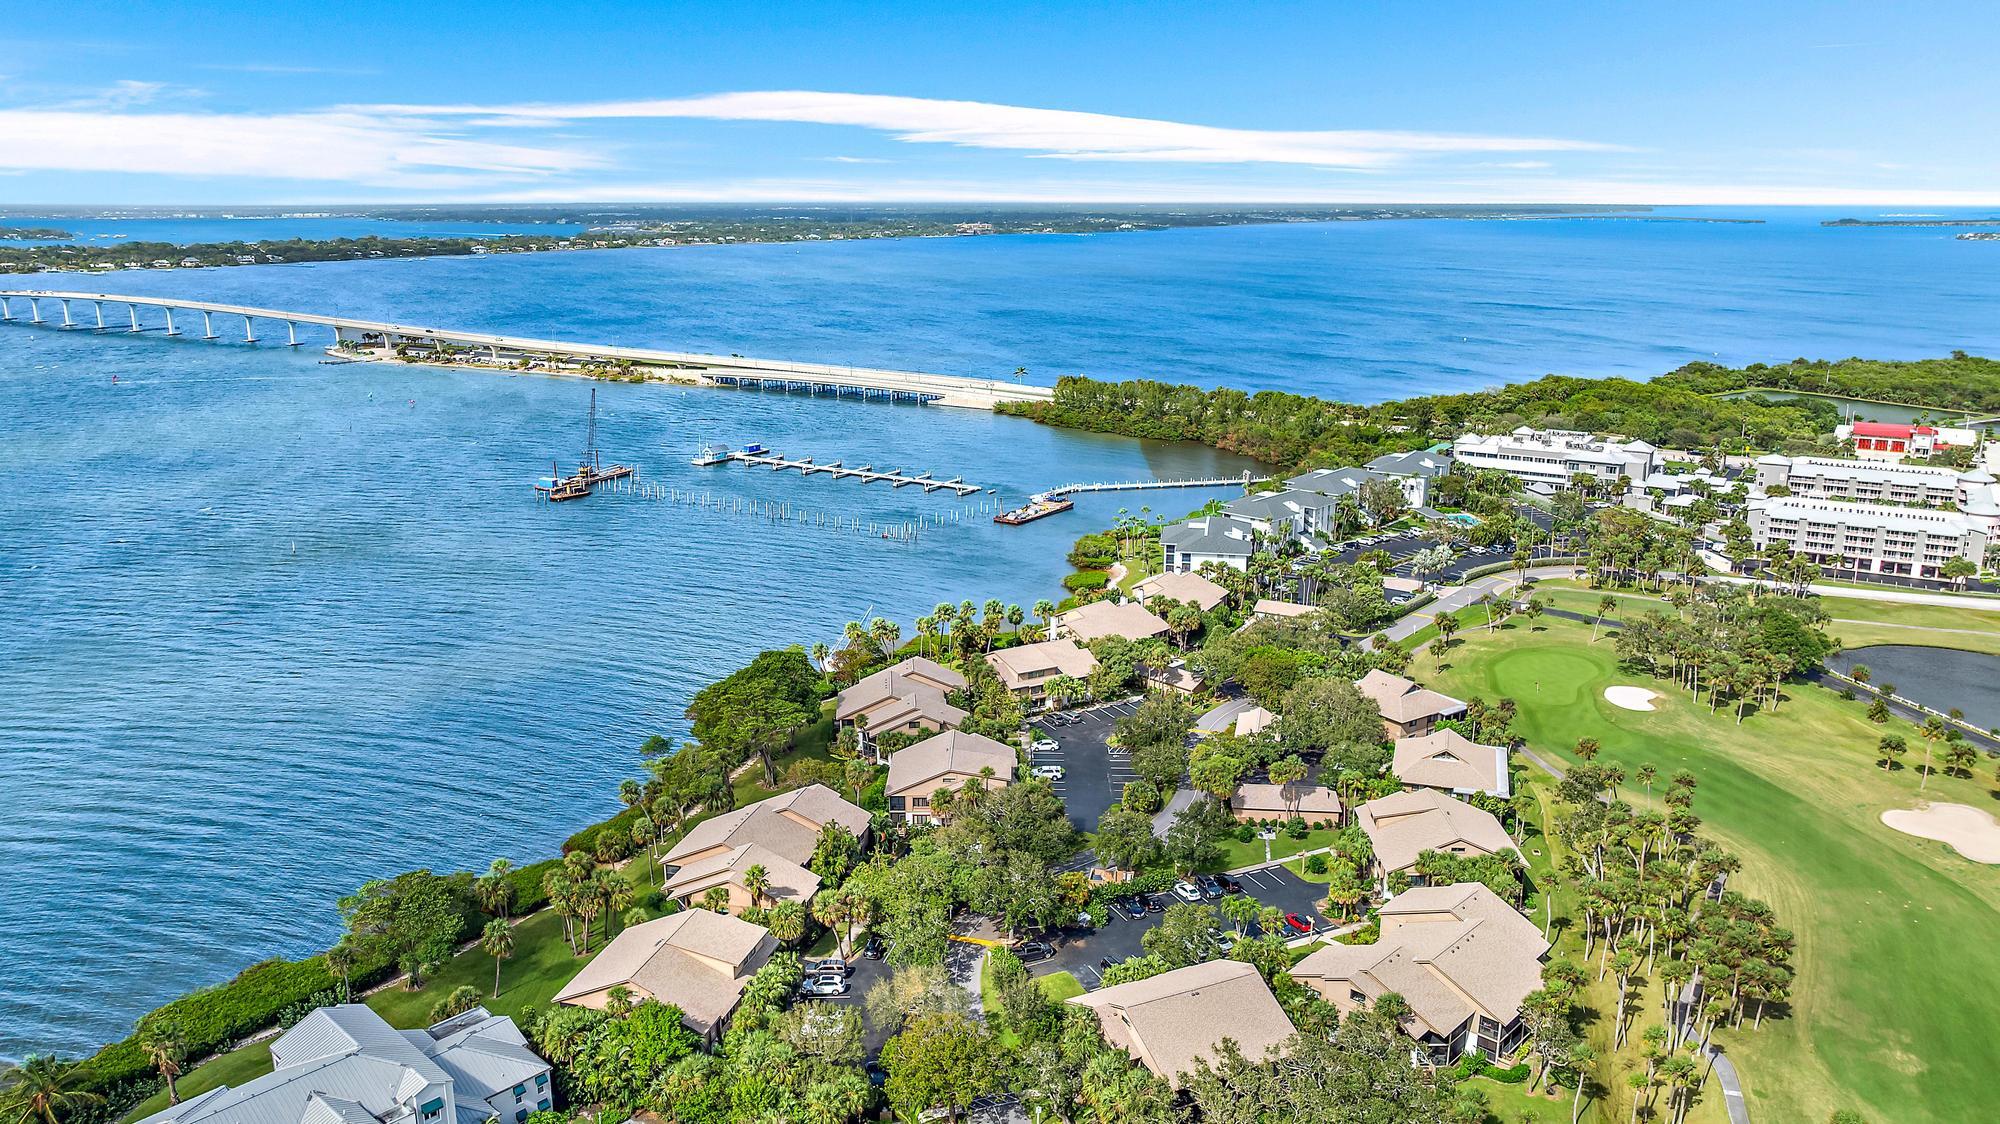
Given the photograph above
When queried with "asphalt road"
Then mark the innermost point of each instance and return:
(1081, 953)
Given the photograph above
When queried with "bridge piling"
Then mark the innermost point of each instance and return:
(67, 323)
(35, 308)
(171, 330)
(207, 326)
(134, 310)
(100, 314)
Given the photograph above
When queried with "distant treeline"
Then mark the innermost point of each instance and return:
(32, 233)
(1676, 410)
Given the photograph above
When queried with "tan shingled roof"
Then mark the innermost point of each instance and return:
(918, 684)
(1017, 666)
(1466, 952)
(1181, 586)
(954, 751)
(670, 959)
(1099, 619)
(1315, 800)
(789, 881)
(1448, 759)
(1173, 1018)
(1269, 608)
(765, 823)
(1401, 700)
(1406, 824)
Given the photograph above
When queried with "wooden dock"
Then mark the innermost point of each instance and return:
(758, 456)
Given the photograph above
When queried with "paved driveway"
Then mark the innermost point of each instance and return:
(1094, 774)
(1082, 953)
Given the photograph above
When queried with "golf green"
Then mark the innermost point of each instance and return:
(1890, 1013)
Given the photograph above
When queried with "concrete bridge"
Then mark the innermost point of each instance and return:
(381, 339)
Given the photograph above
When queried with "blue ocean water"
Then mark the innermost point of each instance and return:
(269, 627)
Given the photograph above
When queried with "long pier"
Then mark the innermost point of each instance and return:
(377, 339)
(1134, 485)
(867, 474)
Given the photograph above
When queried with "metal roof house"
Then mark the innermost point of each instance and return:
(345, 1065)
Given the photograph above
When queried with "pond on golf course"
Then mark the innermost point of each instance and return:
(1939, 678)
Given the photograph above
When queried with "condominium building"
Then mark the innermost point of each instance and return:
(1865, 537)
(1551, 457)
(1971, 491)
(1227, 539)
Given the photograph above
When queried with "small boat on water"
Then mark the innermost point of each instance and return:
(1038, 507)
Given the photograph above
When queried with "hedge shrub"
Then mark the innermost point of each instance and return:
(1085, 580)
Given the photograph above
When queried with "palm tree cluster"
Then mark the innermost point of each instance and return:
(1649, 888)
(1730, 642)
(580, 891)
(950, 631)
(1626, 546)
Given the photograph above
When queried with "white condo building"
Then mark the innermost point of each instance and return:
(1551, 457)
(1971, 491)
(1871, 538)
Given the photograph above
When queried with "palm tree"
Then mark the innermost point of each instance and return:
(497, 939)
(1604, 606)
(495, 888)
(820, 654)
(165, 1049)
(40, 1089)
(1587, 748)
(1932, 733)
(1045, 610)
(786, 921)
(756, 880)
(340, 961)
(1447, 626)
(1285, 773)
(716, 900)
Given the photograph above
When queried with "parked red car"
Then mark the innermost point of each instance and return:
(1300, 924)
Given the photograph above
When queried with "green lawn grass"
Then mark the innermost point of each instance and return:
(1056, 985)
(541, 964)
(1235, 854)
(1890, 1014)
(1856, 622)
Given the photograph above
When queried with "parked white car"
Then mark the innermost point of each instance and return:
(1044, 745)
(1046, 772)
(1187, 891)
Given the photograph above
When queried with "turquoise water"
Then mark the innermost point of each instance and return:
(270, 627)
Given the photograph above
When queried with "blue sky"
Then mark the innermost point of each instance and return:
(1749, 103)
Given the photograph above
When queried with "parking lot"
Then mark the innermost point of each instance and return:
(1094, 774)
(1082, 954)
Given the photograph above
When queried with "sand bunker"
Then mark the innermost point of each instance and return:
(1970, 831)
(1631, 698)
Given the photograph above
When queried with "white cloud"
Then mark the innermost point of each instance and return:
(337, 147)
(1049, 133)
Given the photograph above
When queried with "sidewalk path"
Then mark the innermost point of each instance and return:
(1454, 598)
(1732, 1086)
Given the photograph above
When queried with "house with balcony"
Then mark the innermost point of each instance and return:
(911, 697)
(947, 760)
(1461, 958)
(1408, 710)
(1027, 670)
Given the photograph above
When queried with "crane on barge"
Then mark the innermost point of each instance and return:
(590, 470)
